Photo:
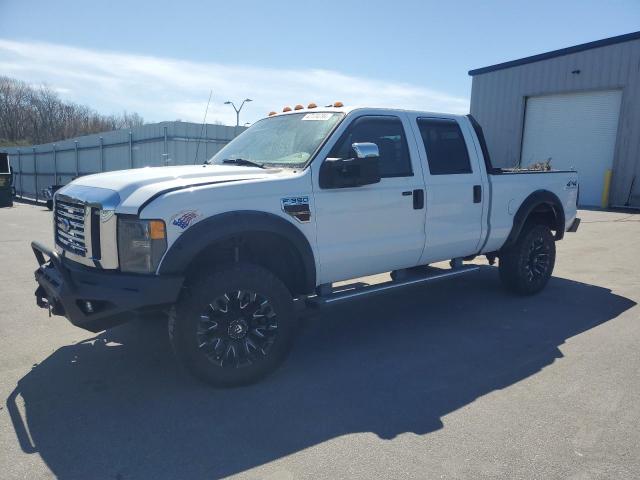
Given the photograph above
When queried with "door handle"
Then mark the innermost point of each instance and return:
(477, 193)
(418, 199)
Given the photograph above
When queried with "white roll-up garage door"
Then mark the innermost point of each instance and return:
(576, 130)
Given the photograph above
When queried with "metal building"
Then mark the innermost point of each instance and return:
(167, 143)
(579, 106)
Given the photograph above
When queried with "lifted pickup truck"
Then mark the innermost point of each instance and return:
(300, 200)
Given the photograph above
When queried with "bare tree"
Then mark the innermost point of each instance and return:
(33, 115)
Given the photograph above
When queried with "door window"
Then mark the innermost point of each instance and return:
(445, 146)
(388, 134)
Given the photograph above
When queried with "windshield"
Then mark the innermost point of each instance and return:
(287, 140)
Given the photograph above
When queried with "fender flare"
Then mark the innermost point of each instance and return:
(534, 200)
(229, 224)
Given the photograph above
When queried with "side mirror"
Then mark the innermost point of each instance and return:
(362, 168)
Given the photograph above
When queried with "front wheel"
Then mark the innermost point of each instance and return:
(526, 266)
(233, 326)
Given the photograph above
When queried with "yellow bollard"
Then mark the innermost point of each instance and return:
(605, 189)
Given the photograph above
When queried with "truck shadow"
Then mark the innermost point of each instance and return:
(117, 406)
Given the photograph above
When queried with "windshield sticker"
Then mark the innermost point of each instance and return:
(318, 116)
(185, 218)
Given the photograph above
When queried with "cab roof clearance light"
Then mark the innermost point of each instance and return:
(299, 106)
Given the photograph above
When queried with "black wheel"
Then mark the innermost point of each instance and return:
(233, 326)
(526, 266)
(50, 204)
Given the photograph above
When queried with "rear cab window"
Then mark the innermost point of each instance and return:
(445, 146)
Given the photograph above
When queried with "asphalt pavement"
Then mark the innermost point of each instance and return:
(457, 379)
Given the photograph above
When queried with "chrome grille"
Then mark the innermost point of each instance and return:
(69, 219)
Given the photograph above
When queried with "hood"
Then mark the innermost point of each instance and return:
(136, 186)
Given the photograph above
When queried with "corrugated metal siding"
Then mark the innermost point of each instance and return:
(498, 103)
(118, 150)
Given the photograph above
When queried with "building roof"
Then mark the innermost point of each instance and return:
(557, 53)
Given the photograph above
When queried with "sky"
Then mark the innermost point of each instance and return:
(161, 59)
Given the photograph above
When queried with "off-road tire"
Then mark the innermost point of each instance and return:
(258, 320)
(526, 266)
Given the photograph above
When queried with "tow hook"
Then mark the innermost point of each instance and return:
(41, 295)
(43, 301)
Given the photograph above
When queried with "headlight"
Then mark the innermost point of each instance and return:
(141, 244)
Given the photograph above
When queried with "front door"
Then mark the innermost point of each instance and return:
(372, 228)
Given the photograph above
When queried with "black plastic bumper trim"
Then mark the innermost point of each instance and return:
(64, 287)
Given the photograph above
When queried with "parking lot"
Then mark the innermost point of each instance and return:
(453, 380)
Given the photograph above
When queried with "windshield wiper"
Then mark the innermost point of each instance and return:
(243, 162)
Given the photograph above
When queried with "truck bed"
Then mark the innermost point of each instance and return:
(509, 189)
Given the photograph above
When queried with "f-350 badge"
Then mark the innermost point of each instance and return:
(297, 207)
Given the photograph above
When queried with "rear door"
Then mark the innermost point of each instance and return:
(455, 198)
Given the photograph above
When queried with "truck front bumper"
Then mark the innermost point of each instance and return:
(97, 299)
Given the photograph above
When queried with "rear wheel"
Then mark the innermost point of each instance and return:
(526, 266)
(234, 326)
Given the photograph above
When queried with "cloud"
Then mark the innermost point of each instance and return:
(169, 89)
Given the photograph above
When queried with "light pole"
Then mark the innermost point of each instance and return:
(238, 109)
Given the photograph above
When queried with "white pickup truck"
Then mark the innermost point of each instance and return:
(299, 201)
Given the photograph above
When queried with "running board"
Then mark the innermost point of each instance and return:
(350, 294)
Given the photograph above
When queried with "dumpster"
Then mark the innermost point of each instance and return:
(6, 180)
